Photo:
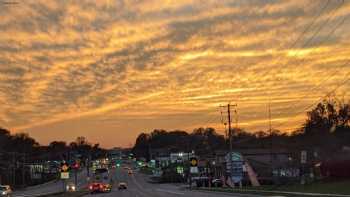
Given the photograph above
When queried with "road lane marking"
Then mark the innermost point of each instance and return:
(170, 192)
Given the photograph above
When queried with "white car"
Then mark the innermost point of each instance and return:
(122, 185)
(71, 187)
(5, 190)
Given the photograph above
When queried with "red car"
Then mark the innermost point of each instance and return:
(99, 187)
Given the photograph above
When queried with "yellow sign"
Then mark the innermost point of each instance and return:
(194, 162)
(64, 168)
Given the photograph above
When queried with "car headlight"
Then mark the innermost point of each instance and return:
(73, 188)
(3, 193)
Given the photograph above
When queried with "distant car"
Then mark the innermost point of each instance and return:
(130, 172)
(217, 183)
(122, 185)
(99, 188)
(5, 190)
(71, 187)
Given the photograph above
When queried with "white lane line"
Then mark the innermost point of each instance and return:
(33, 195)
(170, 192)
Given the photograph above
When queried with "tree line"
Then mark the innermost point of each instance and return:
(326, 129)
(23, 144)
(18, 151)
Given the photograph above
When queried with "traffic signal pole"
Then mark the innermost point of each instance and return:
(75, 177)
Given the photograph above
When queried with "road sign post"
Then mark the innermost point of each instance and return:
(303, 161)
(64, 174)
(234, 167)
(64, 177)
(76, 166)
(193, 169)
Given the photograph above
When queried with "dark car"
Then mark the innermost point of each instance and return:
(217, 183)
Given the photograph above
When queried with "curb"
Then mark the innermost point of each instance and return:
(275, 192)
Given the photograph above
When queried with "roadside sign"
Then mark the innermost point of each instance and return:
(64, 167)
(237, 171)
(236, 156)
(64, 175)
(234, 166)
(194, 170)
(194, 162)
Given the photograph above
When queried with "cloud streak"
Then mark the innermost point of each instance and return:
(64, 62)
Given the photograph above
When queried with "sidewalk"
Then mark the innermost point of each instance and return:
(252, 191)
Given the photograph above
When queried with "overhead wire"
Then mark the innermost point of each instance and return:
(293, 44)
(344, 82)
(280, 47)
(329, 76)
(319, 29)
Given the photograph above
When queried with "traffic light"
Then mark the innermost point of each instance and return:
(76, 165)
(64, 167)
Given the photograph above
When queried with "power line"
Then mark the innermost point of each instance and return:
(323, 25)
(292, 106)
(311, 24)
(303, 32)
(330, 75)
(314, 34)
(299, 37)
(346, 80)
(318, 30)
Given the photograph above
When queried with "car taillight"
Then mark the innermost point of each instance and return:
(101, 186)
(90, 187)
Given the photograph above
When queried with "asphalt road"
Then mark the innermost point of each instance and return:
(51, 187)
(139, 187)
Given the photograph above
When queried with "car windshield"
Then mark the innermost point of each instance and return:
(3, 188)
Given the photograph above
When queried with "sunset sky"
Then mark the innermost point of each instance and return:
(110, 69)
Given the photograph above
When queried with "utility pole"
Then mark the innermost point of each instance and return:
(150, 151)
(270, 133)
(230, 132)
(76, 177)
(229, 125)
(224, 123)
(23, 169)
(270, 123)
(88, 165)
(14, 167)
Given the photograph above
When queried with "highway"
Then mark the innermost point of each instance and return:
(139, 187)
(137, 183)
